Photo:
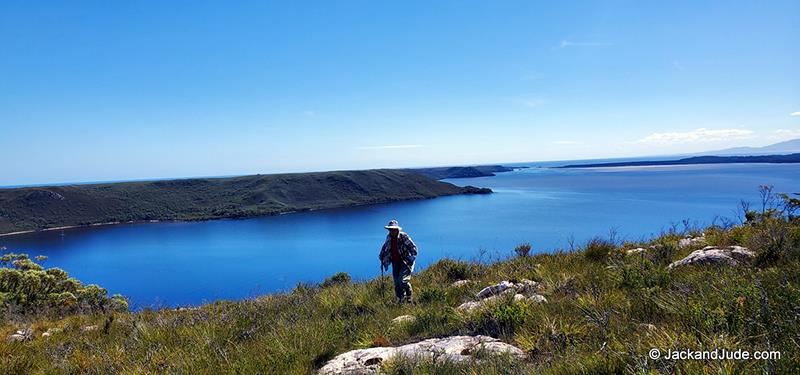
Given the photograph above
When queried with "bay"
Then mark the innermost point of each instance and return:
(188, 263)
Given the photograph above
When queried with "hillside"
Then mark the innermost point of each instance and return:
(785, 147)
(599, 309)
(37, 208)
(440, 173)
(776, 159)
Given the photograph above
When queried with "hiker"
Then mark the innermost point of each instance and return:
(401, 252)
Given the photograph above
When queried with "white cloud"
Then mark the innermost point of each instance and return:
(677, 65)
(310, 113)
(697, 135)
(567, 43)
(388, 147)
(565, 142)
(795, 113)
(788, 133)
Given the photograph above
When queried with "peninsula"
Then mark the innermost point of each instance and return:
(40, 208)
(441, 173)
(775, 159)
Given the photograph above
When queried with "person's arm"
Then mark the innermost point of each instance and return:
(383, 255)
(410, 246)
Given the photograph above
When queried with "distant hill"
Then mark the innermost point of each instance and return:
(792, 158)
(440, 173)
(34, 208)
(787, 147)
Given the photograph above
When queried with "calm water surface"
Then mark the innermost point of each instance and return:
(189, 263)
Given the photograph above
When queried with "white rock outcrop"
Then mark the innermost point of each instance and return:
(404, 319)
(90, 328)
(461, 283)
(691, 241)
(493, 290)
(21, 335)
(637, 250)
(51, 331)
(731, 256)
(523, 290)
(453, 348)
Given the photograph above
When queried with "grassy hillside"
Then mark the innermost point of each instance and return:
(210, 198)
(606, 309)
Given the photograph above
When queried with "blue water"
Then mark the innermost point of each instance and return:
(190, 263)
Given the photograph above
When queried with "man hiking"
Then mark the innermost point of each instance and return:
(401, 252)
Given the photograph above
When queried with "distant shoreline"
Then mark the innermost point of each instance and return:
(769, 159)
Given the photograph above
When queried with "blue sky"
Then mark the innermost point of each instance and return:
(126, 90)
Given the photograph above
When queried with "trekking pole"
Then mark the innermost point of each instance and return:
(383, 284)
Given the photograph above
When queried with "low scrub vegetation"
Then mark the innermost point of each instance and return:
(605, 310)
(28, 291)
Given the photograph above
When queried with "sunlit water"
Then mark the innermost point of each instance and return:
(189, 263)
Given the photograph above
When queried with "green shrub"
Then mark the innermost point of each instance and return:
(453, 270)
(598, 249)
(501, 319)
(340, 278)
(28, 291)
(523, 249)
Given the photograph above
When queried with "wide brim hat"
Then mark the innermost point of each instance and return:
(393, 225)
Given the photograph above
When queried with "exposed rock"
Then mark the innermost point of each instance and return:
(636, 251)
(51, 332)
(494, 290)
(460, 283)
(523, 290)
(404, 319)
(454, 349)
(190, 308)
(534, 298)
(89, 328)
(474, 305)
(523, 286)
(731, 256)
(470, 305)
(21, 335)
(691, 241)
(526, 286)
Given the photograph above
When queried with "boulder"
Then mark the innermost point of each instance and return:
(523, 286)
(453, 349)
(51, 331)
(730, 256)
(494, 290)
(460, 283)
(470, 305)
(691, 241)
(526, 286)
(523, 290)
(404, 319)
(533, 298)
(474, 305)
(21, 335)
(636, 251)
(91, 328)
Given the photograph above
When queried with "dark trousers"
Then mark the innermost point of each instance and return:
(402, 281)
